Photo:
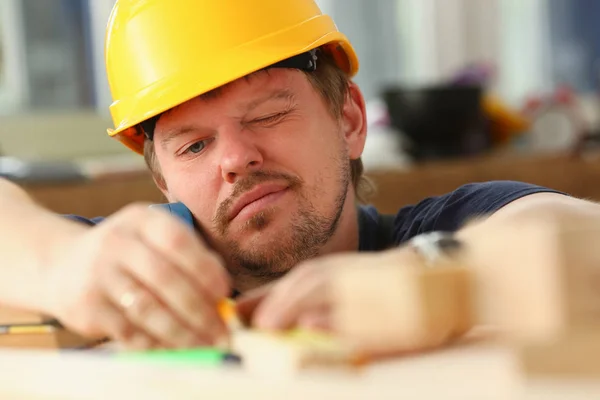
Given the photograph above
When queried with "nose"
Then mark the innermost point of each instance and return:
(240, 156)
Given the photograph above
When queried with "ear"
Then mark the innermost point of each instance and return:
(354, 121)
(160, 183)
(154, 167)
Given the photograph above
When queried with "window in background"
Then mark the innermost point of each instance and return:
(62, 42)
(575, 37)
(58, 57)
(46, 56)
(371, 26)
(422, 42)
(53, 50)
(439, 37)
(13, 84)
(99, 11)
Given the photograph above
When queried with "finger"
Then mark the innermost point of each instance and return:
(175, 240)
(192, 306)
(186, 250)
(292, 296)
(119, 328)
(247, 303)
(316, 320)
(143, 309)
(141, 341)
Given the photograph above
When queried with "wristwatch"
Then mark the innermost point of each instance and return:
(435, 246)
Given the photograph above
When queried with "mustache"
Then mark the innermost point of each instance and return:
(220, 220)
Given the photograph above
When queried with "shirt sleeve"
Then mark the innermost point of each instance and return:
(451, 211)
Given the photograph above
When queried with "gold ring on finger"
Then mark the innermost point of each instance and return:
(127, 299)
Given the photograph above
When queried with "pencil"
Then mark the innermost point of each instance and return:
(227, 311)
(24, 329)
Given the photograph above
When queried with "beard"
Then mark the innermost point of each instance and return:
(307, 232)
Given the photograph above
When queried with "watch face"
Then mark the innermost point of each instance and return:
(553, 131)
(435, 245)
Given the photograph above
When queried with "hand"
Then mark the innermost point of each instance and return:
(306, 297)
(142, 278)
(370, 300)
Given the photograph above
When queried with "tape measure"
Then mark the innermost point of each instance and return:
(179, 210)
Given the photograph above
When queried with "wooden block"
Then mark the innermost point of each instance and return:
(12, 316)
(29, 341)
(576, 355)
(539, 282)
(53, 338)
(402, 306)
(536, 279)
(277, 355)
(61, 339)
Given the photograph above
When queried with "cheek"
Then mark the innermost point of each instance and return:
(311, 143)
(315, 153)
(193, 186)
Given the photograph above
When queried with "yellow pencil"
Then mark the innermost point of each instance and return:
(26, 329)
(227, 311)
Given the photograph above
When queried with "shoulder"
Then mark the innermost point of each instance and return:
(450, 211)
(489, 196)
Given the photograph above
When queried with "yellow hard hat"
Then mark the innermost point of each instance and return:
(161, 53)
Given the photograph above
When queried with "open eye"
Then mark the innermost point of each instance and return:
(195, 147)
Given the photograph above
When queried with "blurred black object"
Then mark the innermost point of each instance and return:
(439, 121)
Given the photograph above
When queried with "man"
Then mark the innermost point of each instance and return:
(246, 114)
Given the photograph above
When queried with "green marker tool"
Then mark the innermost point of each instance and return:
(198, 356)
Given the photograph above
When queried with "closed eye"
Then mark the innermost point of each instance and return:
(271, 119)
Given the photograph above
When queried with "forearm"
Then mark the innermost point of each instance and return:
(31, 236)
(517, 254)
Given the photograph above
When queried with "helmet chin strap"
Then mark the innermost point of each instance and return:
(305, 62)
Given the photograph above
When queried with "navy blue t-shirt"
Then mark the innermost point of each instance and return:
(447, 212)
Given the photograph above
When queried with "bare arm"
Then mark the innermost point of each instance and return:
(30, 236)
(547, 205)
(518, 253)
(513, 257)
(141, 277)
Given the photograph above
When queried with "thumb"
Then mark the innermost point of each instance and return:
(317, 320)
(247, 303)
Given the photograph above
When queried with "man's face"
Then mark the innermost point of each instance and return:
(264, 168)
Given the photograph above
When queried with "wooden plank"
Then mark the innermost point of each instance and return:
(470, 371)
(12, 316)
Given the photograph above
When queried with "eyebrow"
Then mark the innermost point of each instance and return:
(175, 132)
(277, 94)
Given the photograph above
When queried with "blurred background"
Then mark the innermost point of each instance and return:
(457, 91)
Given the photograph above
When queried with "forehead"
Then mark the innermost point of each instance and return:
(242, 92)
